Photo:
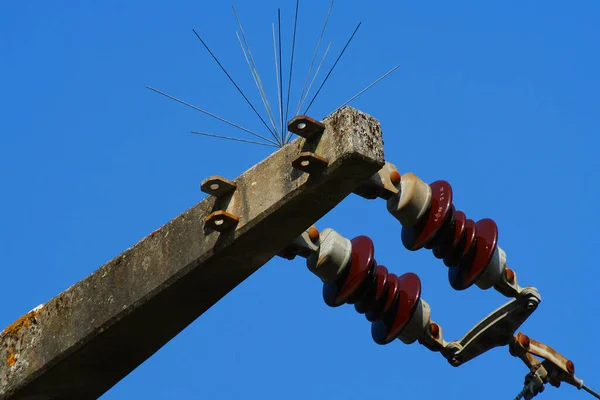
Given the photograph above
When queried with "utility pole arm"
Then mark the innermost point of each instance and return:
(83, 341)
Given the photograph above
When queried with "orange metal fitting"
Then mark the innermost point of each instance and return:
(524, 341)
(395, 177)
(570, 367)
(434, 329)
(510, 275)
(313, 234)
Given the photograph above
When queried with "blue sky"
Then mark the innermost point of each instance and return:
(500, 99)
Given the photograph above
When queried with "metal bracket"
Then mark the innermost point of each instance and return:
(306, 127)
(497, 329)
(218, 186)
(310, 163)
(221, 221)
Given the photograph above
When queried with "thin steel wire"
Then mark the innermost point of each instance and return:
(235, 84)
(590, 391)
(332, 68)
(312, 63)
(277, 75)
(258, 86)
(315, 76)
(233, 138)
(211, 115)
(280, 70)
(254, 69)
(311, 85)
(287, 105)
(370, 86)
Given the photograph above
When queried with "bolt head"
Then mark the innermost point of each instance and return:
(531, 305)
(455, 361)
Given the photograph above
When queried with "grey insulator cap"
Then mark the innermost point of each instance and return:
(418, 324)
(492, 274)
(411, 204)
(332, 257)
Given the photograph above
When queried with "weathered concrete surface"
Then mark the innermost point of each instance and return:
(83, 341)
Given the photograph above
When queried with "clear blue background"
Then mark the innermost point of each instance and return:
(500, 99)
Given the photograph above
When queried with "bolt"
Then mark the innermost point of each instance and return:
(455, 361)
(531, 305)
(509, 274)
(570, 367)
(524, 341)
(434, 329)
(395, 177)
(313, 234)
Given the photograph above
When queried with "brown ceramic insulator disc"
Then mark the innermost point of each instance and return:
(389, 328)
(466, 274)
(361, 266)
(445, 239)
(426, 230)
(385, 302)
(465, 244)
(375, 291)
(363, 288)
(452, 237)
(445, 230)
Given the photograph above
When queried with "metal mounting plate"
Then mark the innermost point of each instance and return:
(306, 127)
(310, 163)
(218, 186)
(221, 221)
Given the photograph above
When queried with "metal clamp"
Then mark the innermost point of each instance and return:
(554, 369)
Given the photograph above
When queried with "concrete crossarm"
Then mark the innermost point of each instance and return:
(83, 341)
